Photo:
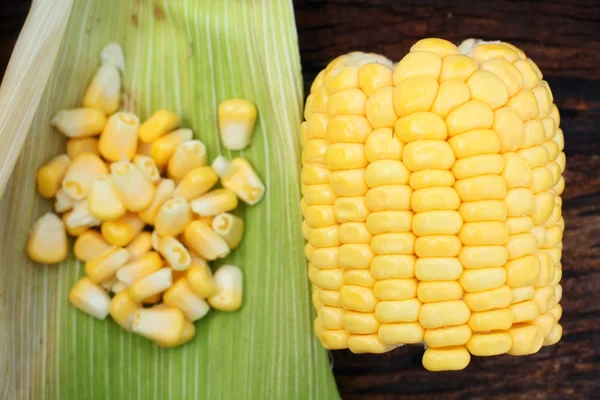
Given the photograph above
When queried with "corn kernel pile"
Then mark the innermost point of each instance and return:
(142, 203)
(431, 203)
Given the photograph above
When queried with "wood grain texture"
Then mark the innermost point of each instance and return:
(563, 37)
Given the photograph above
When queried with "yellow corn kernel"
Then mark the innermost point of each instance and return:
(229, 284)
(317, 123)
(314, 151)
(522, 293)
(360, 323)
(484, 210)
(172, 217)
(443, 222)
(330, 298)
(393, 266)
(351, 256)
(448, 336)
(434, 198)
(491, 320)
(446, 359)
(151, 285)
(318, 194)
(510, 129)
(552, 147)
(560, 186)
(159, 124)
(430, 292)
(428, 154)
(542, 207)
(483, 256)
(345, 102)
(489, 299)
(79, 122)
(526, 339)
(373, 76)
(344, 183)
(326, 258)
(488, 88)
(429, 178)
(558, 138)
(541, 179)
(144, 148)
(63, 202)
(230, 227)
(354, 232)
(104, 90)
(340, 156)
(164, 191)
(553, 236)
(525, 311)
(73, 230)
(445, 313)
(103, 199)
(323, 237)
(135, 189)
(556, 172)
(200, 278)
(119, 137)
(175, 253)
(215, 202)
(51, 174)
(416, 64)
(139, 245)
(204, 241)
(359, 344)
(457, 66)
(80, 216)
(522, 271)
(440, 47)
(147, 165)
(507, 72)
(47, 242)
(395, 289)
(382, 172)
(104, 267)
(524, 104)
(122, 230)
(521, 245)
(358, 298)
(438, 246)
(387, 197)
(389, 222)
(319, 216)
(383, 144)
(331, 279)
(403, 333)
(547, 322)
(135, 270)
(451, 94)
(314, 174)
(393, 243)
(475, 143)
(81, 172)
(546, 271)
(545, 297)
(557, 276)
(90, 298)
(161, 324)
(411, 96)
(485, 187)
(489, 344)
(123, 308)
(236, 123)
(90, 245)
(519, 202)
(517, 172)
(519, 225)
(330, 317)
(530, 76)
(397, 311)
(187, 156)
(379, 108)
(359, 277)
(181, 296)
(469, 116)
(556, 311)
(487, 51)
(240, 177)
(420, 126)
(477, 280)
(554, 336)
(558, 293)
(483, 233)
(534, 132)
(163, 148)
(438, 269)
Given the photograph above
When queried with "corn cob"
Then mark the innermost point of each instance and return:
(431, 202)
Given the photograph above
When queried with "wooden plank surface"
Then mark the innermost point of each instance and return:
(563, 37)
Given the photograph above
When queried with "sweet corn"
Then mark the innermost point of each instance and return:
(229, 283)
(73, 230)
(47, 242)
(147, 165)
(104, 268)
(82, 170)
(137, 269)
(78, 146)
(50, 175)
(164, 191)
(80, 122)
(230, 227)
(181, 296)
(188, 332)
(81, 216)
(187, 156)
(431, 203)
(160, 123)
(172, 217)
(196, 182)
(164, 325)
(104, 91)
(119, 138)
(103, 199)
(214, 202)
(150, 285)
(89, 245)
(121, 231)
(236, 123)
(163, 148)
(240, 177)
(135, 189)
(175, 253)
(204, 241)
(62, 202)
(123, 308)
(90, 298)
(139, 245)
(200, 278)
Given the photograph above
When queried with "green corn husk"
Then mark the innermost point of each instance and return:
(185, 55)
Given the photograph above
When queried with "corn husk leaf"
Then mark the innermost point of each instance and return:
(185, 55)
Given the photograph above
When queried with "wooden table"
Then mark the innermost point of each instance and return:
(563, 37)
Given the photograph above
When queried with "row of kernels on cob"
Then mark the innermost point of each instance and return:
(124, 177)
(476, 140)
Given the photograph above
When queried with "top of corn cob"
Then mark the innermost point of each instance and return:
(431, 202)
